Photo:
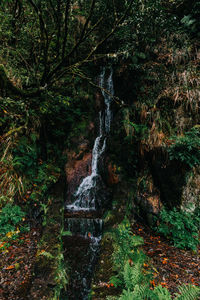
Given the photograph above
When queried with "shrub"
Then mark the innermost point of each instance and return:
(181, 227)
(132, 276)
(10, 217)
(186, 148)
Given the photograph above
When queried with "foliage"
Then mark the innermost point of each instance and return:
(25, 157)
(50, 40)
(135, 279)
(143, 29)
(182, 227)
(186, 148)
(10, 217)
(125, 252)
(140, 131)
(188, 292)
(191, 21)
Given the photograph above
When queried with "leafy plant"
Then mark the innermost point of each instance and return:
(132, 276)
(10, 217)
(186, 148)
(125, 252)
(25, 157)
(181, 227)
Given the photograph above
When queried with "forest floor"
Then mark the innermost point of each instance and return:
(172, 267)
(17, 262)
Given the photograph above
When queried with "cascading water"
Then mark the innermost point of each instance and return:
(88, 197)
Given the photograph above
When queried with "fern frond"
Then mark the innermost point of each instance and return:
(127, 295)
(141, 292)
(188, 292)
(128, 276)
(161, 293)
(137, 241)
(136, 274)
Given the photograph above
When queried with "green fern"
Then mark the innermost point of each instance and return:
(141, 292)
(128, 273)
(160, 293)
(132, 278)
(127, 295)
(136, 275)
(188, 292)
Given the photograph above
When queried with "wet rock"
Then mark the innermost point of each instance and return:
(83, 214)
(77, 168)
(113, 178)
(191, 191)
(99, 103)
(148, 200)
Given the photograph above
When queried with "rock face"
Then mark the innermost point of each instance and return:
(191, 191)
(148, 200)
(77, 168)
(99, 102)
(113, 177)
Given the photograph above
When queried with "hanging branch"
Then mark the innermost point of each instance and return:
(82, 38)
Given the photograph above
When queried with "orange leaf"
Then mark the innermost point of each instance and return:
(163, 284)
(152, 282)
(10, 267)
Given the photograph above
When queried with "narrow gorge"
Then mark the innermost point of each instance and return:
(90, 200)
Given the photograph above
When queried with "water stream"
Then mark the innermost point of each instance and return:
(89, 198)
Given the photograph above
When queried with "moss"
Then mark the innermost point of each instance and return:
(104, 269)
(6, 84)
(50, 265)
(103, 272)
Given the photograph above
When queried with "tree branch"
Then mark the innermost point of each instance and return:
(67, 8)
(44, 34)
(53, 75)
(110, 33)
(82, 36)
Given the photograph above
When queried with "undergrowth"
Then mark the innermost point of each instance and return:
(186, 148)
(181, 227)
(133, 273)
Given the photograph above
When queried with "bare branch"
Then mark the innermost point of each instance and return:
(67, 8)
(44, 34)
(17, 9)
(82, 36)
(57, 72)
(54, 11)
(114, 8)
(109, 34)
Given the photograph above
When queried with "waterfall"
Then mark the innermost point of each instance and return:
(85, 195)
(89, 195)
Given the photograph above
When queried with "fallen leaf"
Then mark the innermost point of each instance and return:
(10, 267)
